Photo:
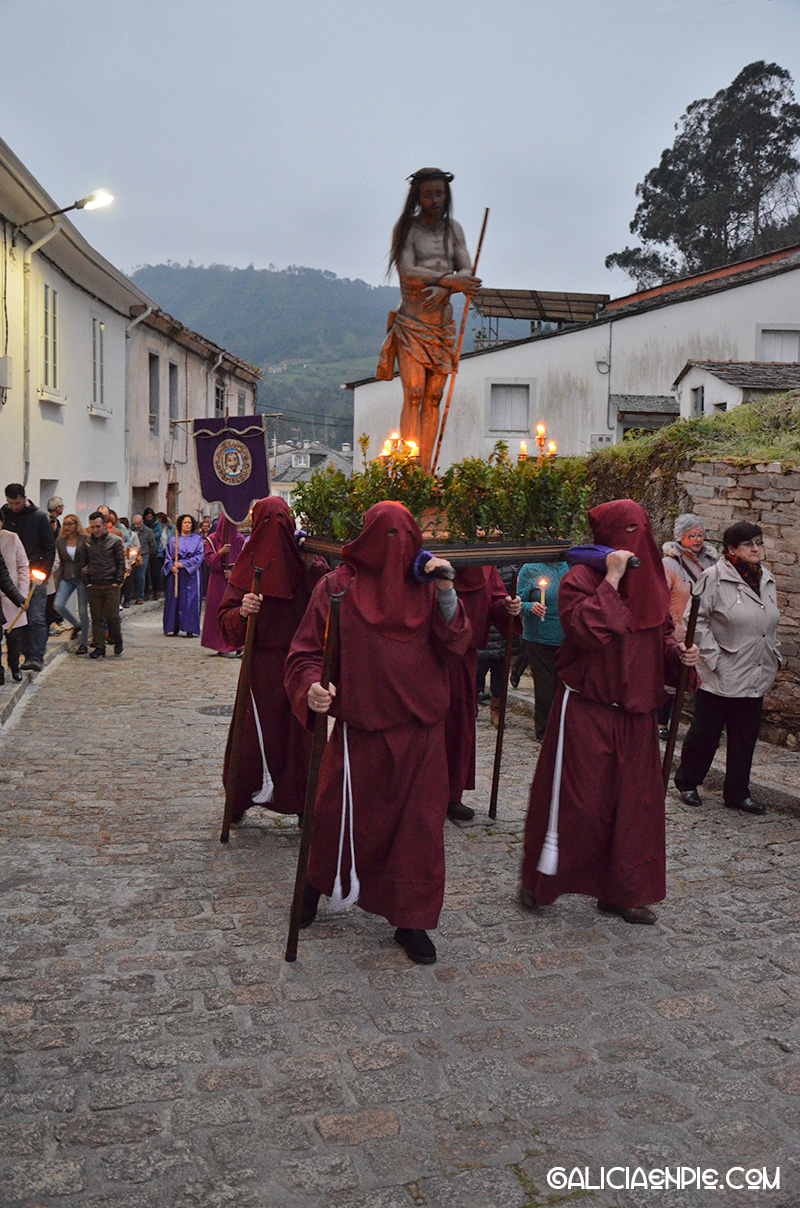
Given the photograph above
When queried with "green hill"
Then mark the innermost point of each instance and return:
(317, 329)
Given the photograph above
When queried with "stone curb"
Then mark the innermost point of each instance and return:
(11, 695)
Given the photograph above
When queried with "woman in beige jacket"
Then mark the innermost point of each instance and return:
(13, 552)
(737, 635)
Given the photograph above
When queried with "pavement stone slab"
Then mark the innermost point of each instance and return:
(158, 1050)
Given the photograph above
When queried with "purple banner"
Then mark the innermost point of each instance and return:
(232, 462)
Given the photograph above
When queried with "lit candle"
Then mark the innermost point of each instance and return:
(542, 586)
(551, 448)
(523, 450)
(37, 578)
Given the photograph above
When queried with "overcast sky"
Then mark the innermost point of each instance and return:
(281, 131)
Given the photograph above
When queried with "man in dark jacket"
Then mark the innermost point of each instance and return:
(103, 572)
(32, 526)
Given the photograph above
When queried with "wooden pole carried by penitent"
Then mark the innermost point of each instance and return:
(458, 347)
(501, 721)
(317, 749)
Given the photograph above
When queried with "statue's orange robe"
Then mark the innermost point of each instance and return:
(611, 823)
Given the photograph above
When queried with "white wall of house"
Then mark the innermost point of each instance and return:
(171, 379)
(77, 416)
(574, 378)
(716, 395)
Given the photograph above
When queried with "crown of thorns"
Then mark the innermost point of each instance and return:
(429, 174)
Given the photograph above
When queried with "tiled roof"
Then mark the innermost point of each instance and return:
(281, 468)
(750, 375)
(728, 276)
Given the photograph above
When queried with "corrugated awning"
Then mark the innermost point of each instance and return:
(533, 304)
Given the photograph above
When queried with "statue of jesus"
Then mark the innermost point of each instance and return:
(430, 255)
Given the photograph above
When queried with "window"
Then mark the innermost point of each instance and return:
(698, 400)
(98, 363)
(155, 393)
(173, 391)
(299, 461)
(219, 399)
(50, 337)
(780, 345)
(242, 402)
(509, 408)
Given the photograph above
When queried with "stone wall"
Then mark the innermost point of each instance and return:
(722, 493)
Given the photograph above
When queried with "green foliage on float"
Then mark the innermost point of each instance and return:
(474, 500)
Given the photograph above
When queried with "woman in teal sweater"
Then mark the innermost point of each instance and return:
(541, 632)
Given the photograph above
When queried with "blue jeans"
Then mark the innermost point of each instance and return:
(65, 589)
(34, 634)
(140, 577)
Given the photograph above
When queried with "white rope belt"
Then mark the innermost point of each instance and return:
(265, 793)
(548, 858)
(337, 901)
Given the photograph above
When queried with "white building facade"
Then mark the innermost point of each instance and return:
(96, 382)
(63, 341)
(175, 376)
(591, 383)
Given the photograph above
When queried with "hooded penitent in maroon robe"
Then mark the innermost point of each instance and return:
(482, 594)
(393, 693)
(617, 654)
(219, 562)
(286, 587)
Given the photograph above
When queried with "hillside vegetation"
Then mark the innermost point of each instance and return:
(644, 466)
(319, 329)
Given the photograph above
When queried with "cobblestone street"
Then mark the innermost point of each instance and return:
(159, 1052)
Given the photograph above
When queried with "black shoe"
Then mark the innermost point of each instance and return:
(16, 676)
(459, 812)
(32, 665)
(118, 647)
(82, 649)
(2, 676)
(690, 797)
(747, 806)
(417, 944)
(98, 653)
(631, 914)
(311, 897)
(514, 679)
(663, 733)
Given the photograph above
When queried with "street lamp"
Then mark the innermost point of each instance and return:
(93, 201)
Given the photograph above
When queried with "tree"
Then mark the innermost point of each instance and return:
(728, 186)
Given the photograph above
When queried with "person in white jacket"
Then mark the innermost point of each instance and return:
(739, 658)
(13, 553)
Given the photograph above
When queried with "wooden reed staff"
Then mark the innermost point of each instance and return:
(240, 709)
(680, 692)
(501, 721)
(458, 346)
(320, 740)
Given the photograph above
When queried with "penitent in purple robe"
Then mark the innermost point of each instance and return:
(182, 614)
